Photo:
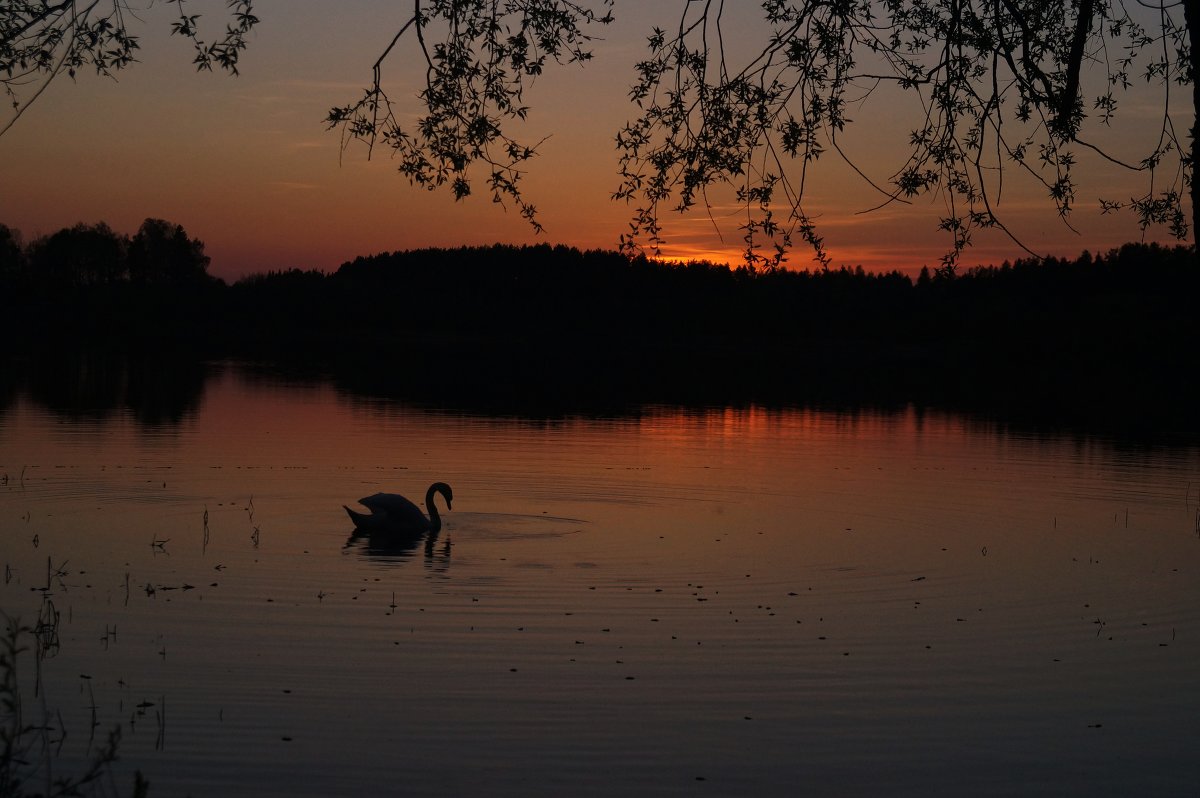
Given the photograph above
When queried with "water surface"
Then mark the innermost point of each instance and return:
(719, 601)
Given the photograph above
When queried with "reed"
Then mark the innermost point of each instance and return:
(256, 533)
(160, 716)
(55, 573)
(45, 631)
(28, 750)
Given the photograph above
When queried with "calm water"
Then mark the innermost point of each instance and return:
(713, 602)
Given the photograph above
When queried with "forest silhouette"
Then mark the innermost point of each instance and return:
(1111, 334)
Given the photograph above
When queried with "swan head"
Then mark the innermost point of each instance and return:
(444, 489)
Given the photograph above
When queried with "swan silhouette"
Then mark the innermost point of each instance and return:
(392, 513)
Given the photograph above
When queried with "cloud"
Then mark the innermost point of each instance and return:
(288, 185)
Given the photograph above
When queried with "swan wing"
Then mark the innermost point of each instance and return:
(363, 521)
(398, 511)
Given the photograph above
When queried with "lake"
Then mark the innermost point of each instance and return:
(720, 601)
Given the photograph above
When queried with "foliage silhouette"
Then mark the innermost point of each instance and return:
(998, 86)
(11, 256)
(161, 253)
(39, 41)
(478, 58)
(82, 255)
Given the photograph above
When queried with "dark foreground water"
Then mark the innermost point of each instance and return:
(691, 602)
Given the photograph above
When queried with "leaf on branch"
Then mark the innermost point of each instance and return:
(994, 81)
(479, 57)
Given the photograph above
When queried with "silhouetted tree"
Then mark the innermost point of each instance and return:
(41, 39)
(11, 255)
(477, 56)
(1000, 85)
(79, 256)
(161, 253)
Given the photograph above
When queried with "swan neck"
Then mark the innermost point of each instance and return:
(435, 520)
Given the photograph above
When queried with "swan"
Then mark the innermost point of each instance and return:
(391, 512)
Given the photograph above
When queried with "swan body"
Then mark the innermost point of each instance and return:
(392, 513)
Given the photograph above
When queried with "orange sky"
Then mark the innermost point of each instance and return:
(246, 165)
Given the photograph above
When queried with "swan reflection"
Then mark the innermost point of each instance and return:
(387, 546)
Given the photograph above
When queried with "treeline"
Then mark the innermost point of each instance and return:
(159, 253)
(1117, 327)
(1070, 335)
(545, 294)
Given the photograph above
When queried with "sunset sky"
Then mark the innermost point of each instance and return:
(246, 164)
